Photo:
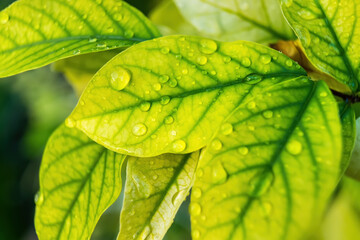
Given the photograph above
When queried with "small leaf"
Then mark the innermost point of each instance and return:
(154, 190)
(329, 34)
(79, 180)
(80, 69)
(270, 178)
(169, 95)
(230, 20)
(56, 29)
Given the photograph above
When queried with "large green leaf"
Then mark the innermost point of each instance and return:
(80, 69)
(79, 180)
(354, 166)
(154, 190)
(271, 168)
(229, 20)
(37, 32)
(329, 32)
(169, 95)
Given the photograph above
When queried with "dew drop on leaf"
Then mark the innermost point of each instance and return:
(164, 100)
(145, 233)
(196, 193)
(246, 62)
(169, 120)
(165, 50)
(129, 34)
(176, 198)
(70, 122)
(173, 83)
(196, 234)
(157, 86)
(243, 150)
(227, 129)
(145, 106)
(118, 17)
(267, 208)
(202, 60)
(76, 52)
(294, 147)
(251, 105)
(164, 78)
(265, 59)
(195, 209)
(289, 63)
(261, 183)
(139, 129)
(39, 198)
(4, 18)
(208, 46)
(155, 176)
(323, 94)
(253, 79)
(216, 145)
(219, 174)
(185, 71)
(92, 39)
(268, 114)
(120, 78)
(288, 3)
(227, 59)
(178, 146)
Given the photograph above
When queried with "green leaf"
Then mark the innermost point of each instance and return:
(347, 118)
(56, 29)
(328, 31)
(80, 69)
(79, 180)
(229, 20)
(272, 166)
(354, 167)
(170, 94)
(154, 190)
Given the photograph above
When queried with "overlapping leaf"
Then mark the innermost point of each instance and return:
(354, 166)
(79, 180)
(230, 20)
(154, 190)
(169, 95)
(330, 33)
(37, 32)
(270, 169)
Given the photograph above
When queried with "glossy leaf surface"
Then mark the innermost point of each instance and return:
(330, 33)
(229, 20)
(271, 168)
(37, 32)
(169, 95)
(155, 188)
(79, 180)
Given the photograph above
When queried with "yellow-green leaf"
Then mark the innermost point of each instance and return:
(354, 167)
(229, 20)
(170, 94)
(154, 190)
(330, 34)
(271, 175)
(37, 32)
(79, 180)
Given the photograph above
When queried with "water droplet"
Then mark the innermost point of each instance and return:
(208, 46)
(246, 62)
(164, 100)
(323, 94)
(288, 3)
(157, 86)
(243, 150)
(4, 18)
(305, 14)
(177, 197)
(213, 72)
(39, 198)
(129, 34)
(268, 114)
(227, 59)
(92, 39)
(289, 63)
(120, 78)
(261, 183)
(251, 128)
(169, 120)
(202, 60)
(164, 78)
(196, 234)
(70, 122)
(195, 209)
(216, 145)
(251, 105)
(110, 29)
(294, 147)
(82, 103)
(118, 17)
(164, 50)
(267, 208)
(227, 128)
(145, 106)
(253, 79)
(200, 173)
(219, 174)
(76, 52)
(101, 45)
(265, 59)
(139, 129)
(178, 146)
(155, 176)
(173, 83)
(145, 233)
(185, 71)
(196, 193)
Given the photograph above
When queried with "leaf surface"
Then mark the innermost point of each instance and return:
(169, 95)
(155, 188)
(37, 32)
(272, 166)
(354, 167)
(79, 180)
(229, 20)
(330, 34)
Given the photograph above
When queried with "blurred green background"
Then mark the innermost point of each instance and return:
(34, 103)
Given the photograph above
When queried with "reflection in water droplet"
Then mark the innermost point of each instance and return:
(251, 105)
(219, 174)
(169, 120)
(253, 79)
(145, 233)
(243, 150)
(120, 78)
(155, 176)
(118, 16)
(178, 146)
(164, 78)
(129, 34)
(157, 86)
(208, 46)
(196, 234)
(139, 129)
(165, 50)
(227, 59)
(268, 114)
(173, 83)
(216, 145)
(202, 60)
(195, 209)
(39, 198)
(288, 3)
(289, 63)
(70, 122)
(4, 18)
(177, 198)
(76, 52)
(323, 94)
(246, 62)
(261, 183)
(145, 106)
(294, 147)
(164, 100)
(196, 193)
(265, 59)
(92, 39)
(227, 129)
(267, 208)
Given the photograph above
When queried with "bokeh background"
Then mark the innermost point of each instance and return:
(34, 103)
